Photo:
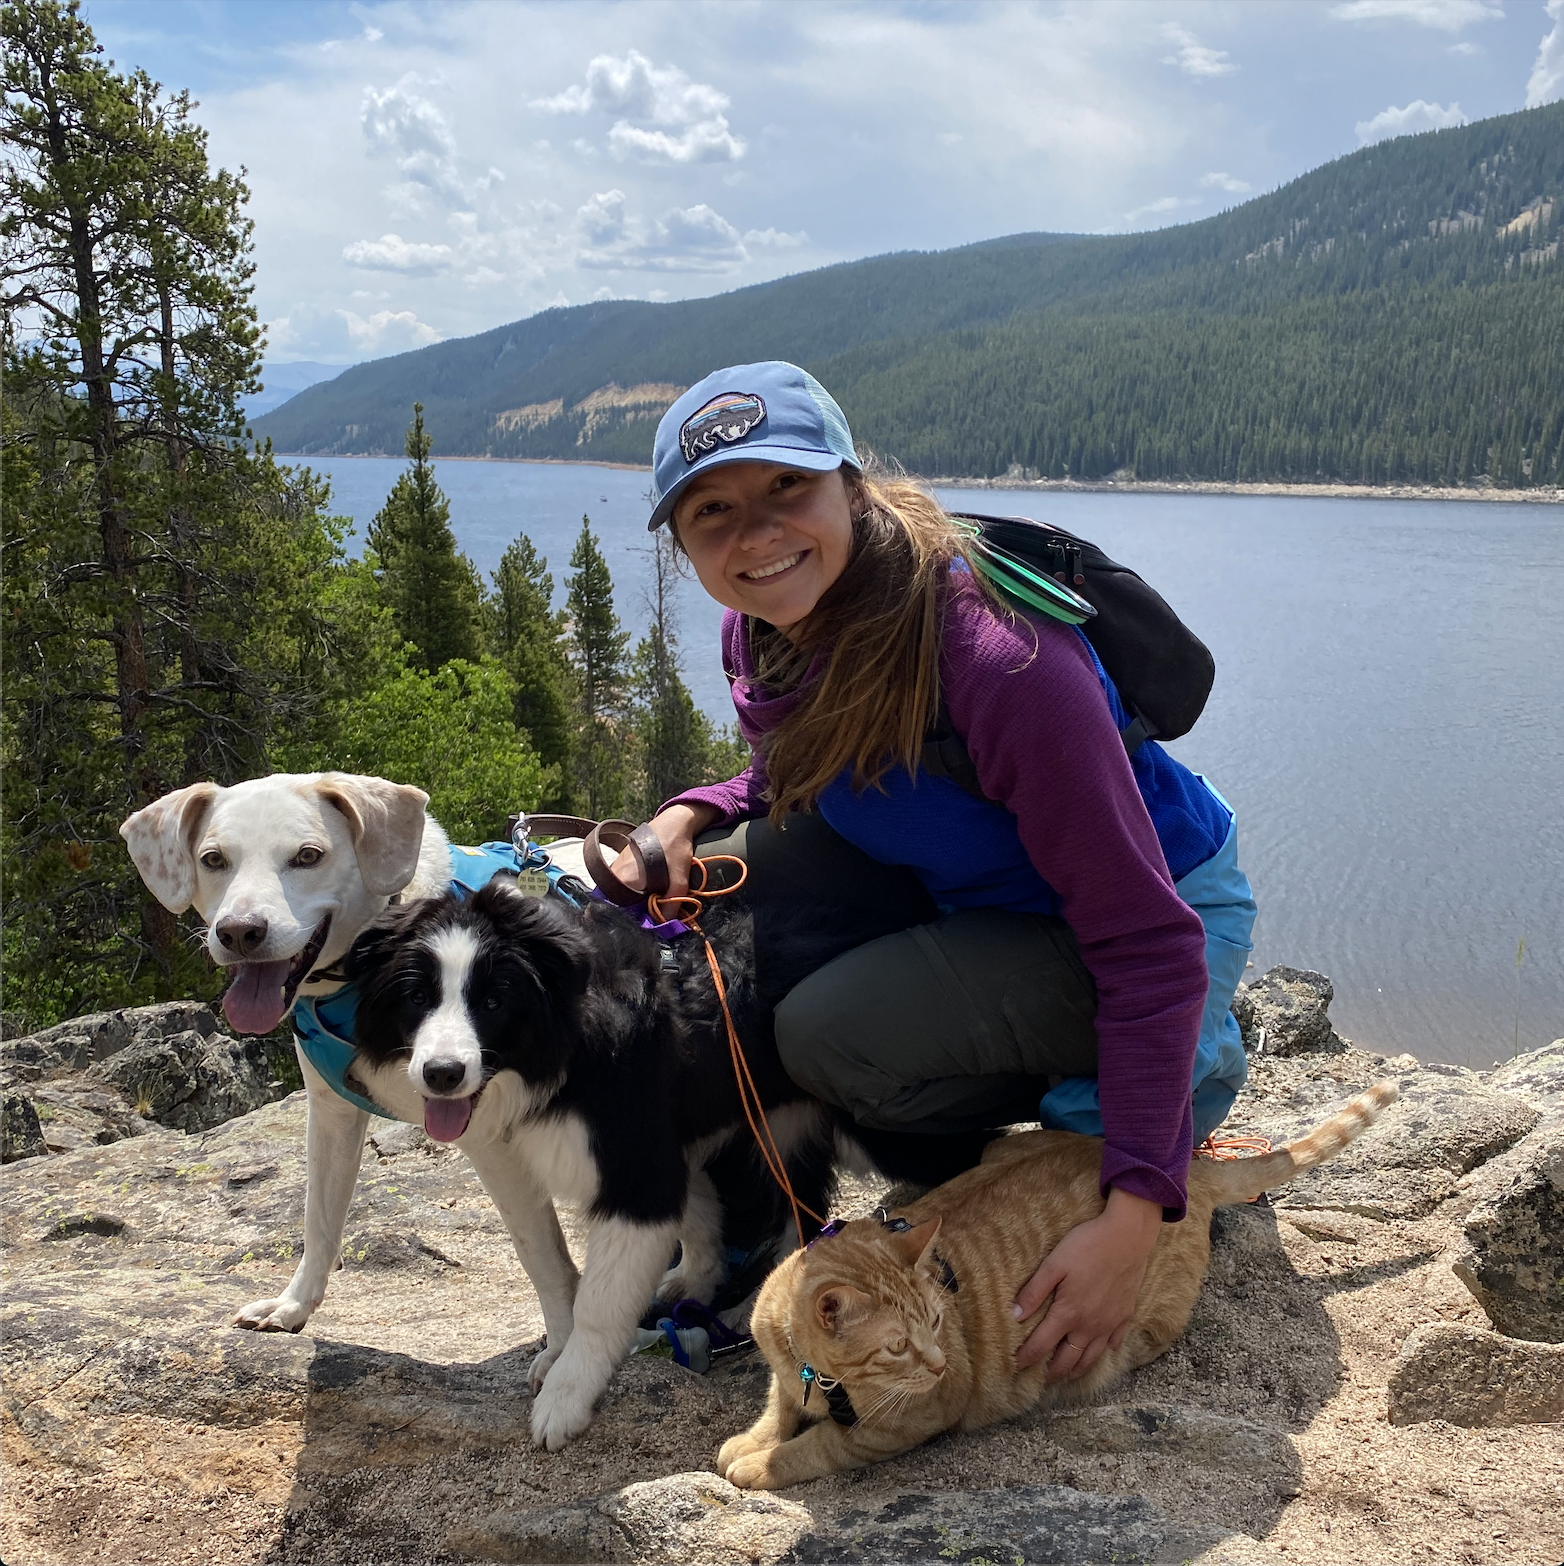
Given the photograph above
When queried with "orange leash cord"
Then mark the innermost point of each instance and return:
(749, 1094)
(1231, 1148)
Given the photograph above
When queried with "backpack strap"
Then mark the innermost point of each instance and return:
(1137, 733)
(945, 755)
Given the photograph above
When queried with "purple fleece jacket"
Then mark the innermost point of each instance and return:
(1039, 730)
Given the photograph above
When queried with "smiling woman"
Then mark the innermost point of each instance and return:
(1064, 946)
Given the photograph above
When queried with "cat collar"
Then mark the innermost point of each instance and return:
(947, 1273)
(838, 1403)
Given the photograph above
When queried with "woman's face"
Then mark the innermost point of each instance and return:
(764, 539)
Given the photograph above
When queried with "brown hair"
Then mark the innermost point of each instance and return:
(877, 629)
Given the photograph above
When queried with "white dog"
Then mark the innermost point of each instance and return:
(288, 871)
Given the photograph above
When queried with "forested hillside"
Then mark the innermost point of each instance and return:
(1396, 314)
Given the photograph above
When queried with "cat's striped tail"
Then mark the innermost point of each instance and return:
(1243, 1179)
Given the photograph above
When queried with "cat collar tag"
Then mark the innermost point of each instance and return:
(807, 1375)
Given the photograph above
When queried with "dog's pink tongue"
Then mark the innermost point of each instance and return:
(254, 1002)
(446, 1118)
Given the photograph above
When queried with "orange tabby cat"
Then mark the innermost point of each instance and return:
(880, 1335)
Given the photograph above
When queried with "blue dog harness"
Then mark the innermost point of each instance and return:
(323, 1026)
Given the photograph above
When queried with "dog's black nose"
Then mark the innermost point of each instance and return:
(242, 935)
(444, 1076)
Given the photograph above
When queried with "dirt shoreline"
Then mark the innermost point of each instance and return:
(1543, 496)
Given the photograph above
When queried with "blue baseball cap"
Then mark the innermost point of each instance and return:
(770, 412)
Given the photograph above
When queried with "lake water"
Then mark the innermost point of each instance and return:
(1386, 717)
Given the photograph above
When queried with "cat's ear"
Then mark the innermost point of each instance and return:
(840, 1305)
(912, 1245)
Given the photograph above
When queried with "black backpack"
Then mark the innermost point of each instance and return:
(1163, 672)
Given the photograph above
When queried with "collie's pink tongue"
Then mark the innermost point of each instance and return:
(254, 1002)
(446, 1118)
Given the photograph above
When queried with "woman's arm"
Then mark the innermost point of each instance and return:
(1045, 746)
(1043, 740)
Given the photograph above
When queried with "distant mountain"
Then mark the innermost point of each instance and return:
(279, 382)
(1396, 314)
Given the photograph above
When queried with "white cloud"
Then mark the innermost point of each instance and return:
(636, 87)
(1161, 207)
(388, 330)
(656, 96)
(775, 239)
(411, 130)
(1449, 16)
(280, 333)
(1193, 57)
(1234, 187)
(1416, 116)
(1547, 74)
(392, 253)
(709, 142)
(684, 239)
(1466, 47)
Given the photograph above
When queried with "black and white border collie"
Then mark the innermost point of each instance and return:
(574, 1057)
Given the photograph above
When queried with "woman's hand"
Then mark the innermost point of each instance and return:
(677, 827)
(1094, 1274)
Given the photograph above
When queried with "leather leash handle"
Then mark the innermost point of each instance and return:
(559, 826)
(644, 848)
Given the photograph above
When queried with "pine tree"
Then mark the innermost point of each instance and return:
(597, 656)
(674, 735)
(432, 590)
(527, 636)
(160, 581)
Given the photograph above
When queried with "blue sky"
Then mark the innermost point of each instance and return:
(424, 170)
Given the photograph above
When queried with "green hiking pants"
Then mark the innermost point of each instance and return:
(930, 1023)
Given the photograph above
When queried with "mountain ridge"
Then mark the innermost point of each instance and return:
(1012, 353)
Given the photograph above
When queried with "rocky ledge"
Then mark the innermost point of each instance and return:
(116, 1074)
(1369, 1375)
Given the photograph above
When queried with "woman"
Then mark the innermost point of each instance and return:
(1074, 938)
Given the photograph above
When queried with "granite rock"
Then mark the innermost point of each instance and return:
(102, 1078)
(188, 1082)
(1537, 1076)
(21, 1135)
(1470, 1377)
(699, 1517)
(395, 1428)
(1032, 1523)
(1447, 1122)
(77, 1044)
(1286, 1011)
(1512, 1254)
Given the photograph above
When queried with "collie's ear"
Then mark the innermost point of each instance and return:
(543, 931)
(387, 823)
(912, 1245)
(161, 840)
(381, 938)
(839, 1305)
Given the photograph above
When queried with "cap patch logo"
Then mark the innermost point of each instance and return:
(727, 418)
